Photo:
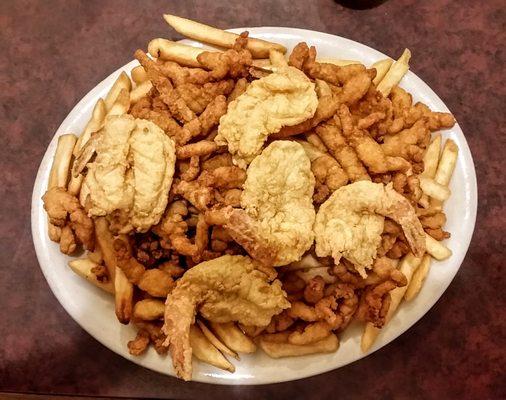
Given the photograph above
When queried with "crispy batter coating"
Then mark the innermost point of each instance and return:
(201, 197)
(64, 210)
(331, 134)
(198, 97)
(197, 149)
(375, 300)
(284, 98)
(350, 223)
(155, 282)
(140, 344)
(228, 288)
(234, 62)
(223, 177)
(176, 104)
(278, 194)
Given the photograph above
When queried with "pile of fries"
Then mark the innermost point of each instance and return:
(207, 178)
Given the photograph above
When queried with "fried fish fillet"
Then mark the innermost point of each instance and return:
(132, 172)
(283, 98)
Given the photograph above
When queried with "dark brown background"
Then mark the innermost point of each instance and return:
(54, 52)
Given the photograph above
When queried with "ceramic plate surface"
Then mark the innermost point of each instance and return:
(94, 310)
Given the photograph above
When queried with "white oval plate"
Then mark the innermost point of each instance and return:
(94, 310)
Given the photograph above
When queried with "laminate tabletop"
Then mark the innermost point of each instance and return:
(55, 51)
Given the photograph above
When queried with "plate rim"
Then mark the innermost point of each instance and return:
(36, 207)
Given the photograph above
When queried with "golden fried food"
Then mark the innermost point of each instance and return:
(284, 98)
(64, 211)
(350, 223)
(132, 171)
(278, 197)
(208, 169)
(225, 289)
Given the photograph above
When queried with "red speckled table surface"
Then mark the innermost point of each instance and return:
(54, 52)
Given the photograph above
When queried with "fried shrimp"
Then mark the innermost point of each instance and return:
(350, 223)
(228, 288)
(278, 193)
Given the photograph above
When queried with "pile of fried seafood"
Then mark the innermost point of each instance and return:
(236, 198)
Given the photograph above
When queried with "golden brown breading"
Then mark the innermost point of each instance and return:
(201, 197)
(198, 97)
(233, 62)
(197, 149)
(63, 210)
(331, 134)
(223, 177)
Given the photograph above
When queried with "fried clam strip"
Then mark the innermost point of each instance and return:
(350, 223)
(352, 80)
(406, 114)
(375, 300)
(234, 62)
(328, 173)
(200, 125)
(176, 104)
(198, 97)
(332, 136)
(61, 207)
(333, 312)
(368, 150)
(228, 288)
(155, 282)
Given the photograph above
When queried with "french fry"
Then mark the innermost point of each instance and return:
(140, 91)
(149, 309)
(215, 341)
(381, 67)
(171, 51)
(208, 34)
(123, 289)
(433, 189)
(139, 74)
(95, 256)
(277, 350)
(395, 73)
(94, 124)
(431, 157)
(233, 337)
(122, 83)
(277, 58)
(447, 163)
(261, 62)
(123, 296)
(418, 278)
(121, 104)
(436, 249)
(430, 163)
(59, 174)
(206, 352)
(105, 241)
(445, 168)
(336, 61)
(408, 266)
(83, 267)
